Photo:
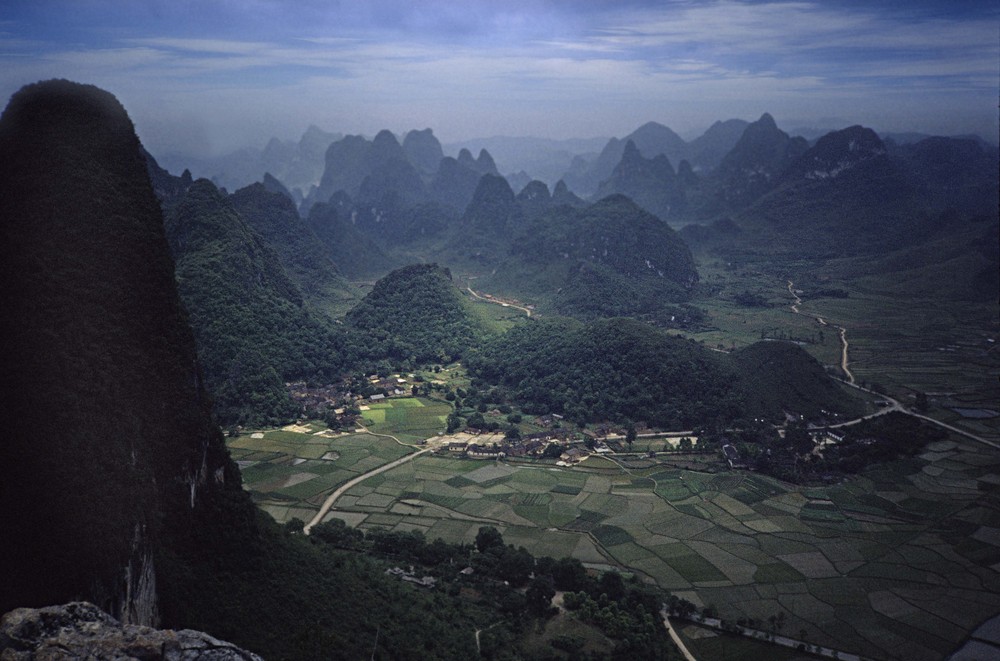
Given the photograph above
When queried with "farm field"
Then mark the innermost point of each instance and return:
(410, 419)
(290, 471)
(901, 562)
(919, 345)
(900, 345)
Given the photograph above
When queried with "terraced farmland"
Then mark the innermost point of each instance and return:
(901, 562)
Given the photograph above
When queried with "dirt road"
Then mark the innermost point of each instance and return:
(332, 498)
(840, 329)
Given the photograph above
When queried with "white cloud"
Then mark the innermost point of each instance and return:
(603, 72)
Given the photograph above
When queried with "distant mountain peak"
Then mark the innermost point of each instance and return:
(385, 137)
(493, 188)
(423, 150)
(839, 151)
(631, 152)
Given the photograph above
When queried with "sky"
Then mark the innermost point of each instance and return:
(207, 76)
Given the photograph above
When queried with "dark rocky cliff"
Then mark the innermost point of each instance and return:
(108, 441)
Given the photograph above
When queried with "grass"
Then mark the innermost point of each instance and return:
(408, 418)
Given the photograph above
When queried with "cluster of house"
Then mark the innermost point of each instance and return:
(411, 577)
(529, 446)
(315, 398)
(322, 401)
(835, 436)
(497, 450)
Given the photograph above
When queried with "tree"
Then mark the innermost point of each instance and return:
(570, 575)
(630, 434)
(611, 584)
(685, 444)
(552, 450)
(922, 404)
(515, 566)
(488, 538)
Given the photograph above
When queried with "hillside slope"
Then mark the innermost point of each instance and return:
(250, 321)
(415, 314)
(108, 439)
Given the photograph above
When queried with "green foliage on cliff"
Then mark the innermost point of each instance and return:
(106, 423)
(623, 369)
(414, 314)
(609, 259)
(776, 377)
(274, 218)
(251, 324)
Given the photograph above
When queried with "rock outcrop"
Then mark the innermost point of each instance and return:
(81, 630)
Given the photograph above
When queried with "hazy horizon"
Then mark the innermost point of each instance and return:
(206, 78)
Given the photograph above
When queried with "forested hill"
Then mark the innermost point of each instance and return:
(613, 369)
(623, 369)
(272, 215)
(252, 326)
(609, 259)
(415, 314)
(108, 440)
(780, 376)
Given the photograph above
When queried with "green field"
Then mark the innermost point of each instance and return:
(409, 419)
(899, 561)
(900, 341)
(290, 473)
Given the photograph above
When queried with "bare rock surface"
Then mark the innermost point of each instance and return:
(80, 630)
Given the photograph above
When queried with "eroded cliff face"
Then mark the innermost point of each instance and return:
(108, 439)
(81, 630)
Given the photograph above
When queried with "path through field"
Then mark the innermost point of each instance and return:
(822, 322)
(677, 639)
(893, 404)
(332, 498)
(490, 299)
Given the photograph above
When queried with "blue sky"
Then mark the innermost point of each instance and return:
(211, 75)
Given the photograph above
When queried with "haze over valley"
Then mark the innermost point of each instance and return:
(637, 331)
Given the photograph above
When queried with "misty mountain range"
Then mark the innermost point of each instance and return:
(583, 163)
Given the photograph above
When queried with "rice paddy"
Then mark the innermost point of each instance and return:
(900, 561)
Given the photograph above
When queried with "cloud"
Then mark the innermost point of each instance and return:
(518, 67)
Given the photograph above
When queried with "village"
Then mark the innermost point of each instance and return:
(481, 430)
(489, 432)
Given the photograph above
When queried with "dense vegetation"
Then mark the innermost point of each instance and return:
(616, 369)
(108, 440)
(253, 328)
(779, 377)
(514, 590)
(273, 216)
(355, 254)
(623, 369)
(414, 315)
(879, 440)
(608, 259)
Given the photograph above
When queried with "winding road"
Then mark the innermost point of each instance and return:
(332, 498)
(893, 404)
(490, 299)
(822, 322)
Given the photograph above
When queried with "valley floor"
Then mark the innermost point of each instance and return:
(901, 560)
